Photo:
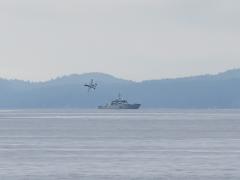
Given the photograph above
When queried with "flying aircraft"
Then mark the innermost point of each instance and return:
(91, 85)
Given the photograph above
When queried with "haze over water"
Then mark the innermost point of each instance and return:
(143, 144)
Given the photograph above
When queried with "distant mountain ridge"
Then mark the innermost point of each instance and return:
(99, 77)
(206, 91)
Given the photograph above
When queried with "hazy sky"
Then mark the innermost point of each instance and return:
(133, 39)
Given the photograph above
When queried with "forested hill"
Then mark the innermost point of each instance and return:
(207, 91)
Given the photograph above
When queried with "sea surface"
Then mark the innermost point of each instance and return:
(120, 145)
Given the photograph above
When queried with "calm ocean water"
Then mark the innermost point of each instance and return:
(144, 144)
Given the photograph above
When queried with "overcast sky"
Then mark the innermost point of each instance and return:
(132, 39)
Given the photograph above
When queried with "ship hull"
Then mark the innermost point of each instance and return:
(124, 106)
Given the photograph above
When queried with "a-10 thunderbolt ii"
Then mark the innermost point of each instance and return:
(92, 85)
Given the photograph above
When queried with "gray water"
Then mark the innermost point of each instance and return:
(145, 144)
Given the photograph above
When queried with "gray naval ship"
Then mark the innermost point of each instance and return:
(120, 103)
